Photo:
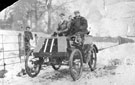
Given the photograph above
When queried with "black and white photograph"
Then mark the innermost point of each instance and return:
(67, 42)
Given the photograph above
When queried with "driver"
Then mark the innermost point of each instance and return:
(79, 23)
(78, 26)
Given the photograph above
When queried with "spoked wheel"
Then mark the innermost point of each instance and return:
(76, 64)
(56, 63)
(93, 60)
(32, 64)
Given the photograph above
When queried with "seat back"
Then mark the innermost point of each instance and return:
(53, 44)
(62, 44)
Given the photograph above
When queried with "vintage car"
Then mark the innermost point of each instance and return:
(57, 51)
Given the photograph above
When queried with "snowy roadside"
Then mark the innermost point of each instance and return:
(116, 66)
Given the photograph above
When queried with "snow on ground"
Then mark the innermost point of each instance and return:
(123, 52)
(115, 66)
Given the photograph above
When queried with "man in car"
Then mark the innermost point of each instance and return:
(79, 23)
(78, 26)
(62, 26)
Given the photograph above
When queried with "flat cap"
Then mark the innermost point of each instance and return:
(62, 14)
(75, 12)
(28, 27)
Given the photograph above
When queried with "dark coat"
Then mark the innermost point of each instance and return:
(79, 25)
(27, 36)
(62, 26)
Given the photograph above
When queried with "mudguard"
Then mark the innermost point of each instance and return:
(93, 46)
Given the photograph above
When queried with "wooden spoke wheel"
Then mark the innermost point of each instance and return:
(76, 64)
(93, 60)
(32, 64)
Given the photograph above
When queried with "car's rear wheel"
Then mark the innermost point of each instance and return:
(93, 60)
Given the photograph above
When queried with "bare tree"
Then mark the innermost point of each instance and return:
(49, 5)
(25, 10)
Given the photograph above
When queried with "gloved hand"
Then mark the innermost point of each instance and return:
(55, 34)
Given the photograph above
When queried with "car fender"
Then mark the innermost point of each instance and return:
(93, 46)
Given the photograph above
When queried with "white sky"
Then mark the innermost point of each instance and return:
(2, 14)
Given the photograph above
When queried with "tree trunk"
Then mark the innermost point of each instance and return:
(49, 21)
(36, 18)
(49, 15)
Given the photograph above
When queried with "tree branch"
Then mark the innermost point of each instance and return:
(62, 5)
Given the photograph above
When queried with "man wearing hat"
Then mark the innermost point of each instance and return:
(78, 26)
(27, 37)
(79, 23)
(62, 26)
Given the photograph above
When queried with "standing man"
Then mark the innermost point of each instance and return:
(27, 37)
